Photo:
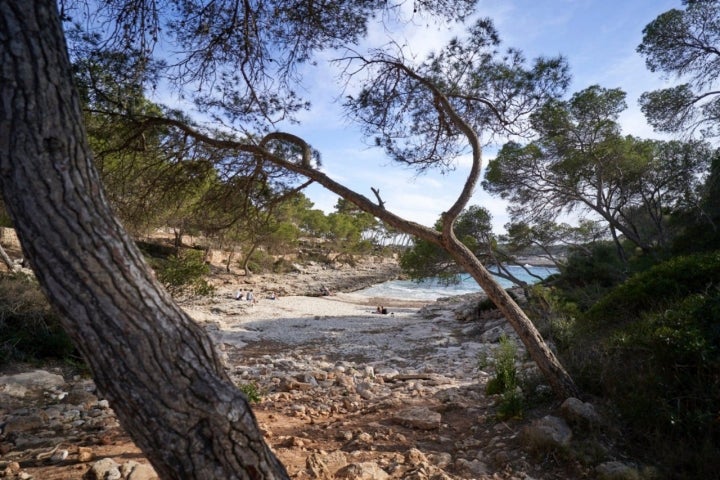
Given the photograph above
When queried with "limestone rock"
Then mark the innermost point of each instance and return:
(104, 469)
(23, 423)
(616, 471)
(547, 433)
(421, 418)
(85, 454)
(475, 467)
(415, 457)
(580, 413)
(139, 471)
(492, 335)
(362, 471)
(21, 384)
(325, 466)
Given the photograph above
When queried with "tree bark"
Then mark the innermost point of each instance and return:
(158, 369)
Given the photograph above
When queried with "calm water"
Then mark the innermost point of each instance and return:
(431, 289)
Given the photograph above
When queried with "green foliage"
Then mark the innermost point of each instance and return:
(261, 261)
(582, 161)
(29, 328)
(282, 266)
(424, 259)
(700, 227)
(590, 273)
(402, 116)
(511, 405)
(251, 391)
(505, 371)
(683, 43)
(652, 346)
(555, 316)
(505, 382)
(657, 287)
(184, 272)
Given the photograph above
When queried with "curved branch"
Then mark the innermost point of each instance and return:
(443, 102)
(304, 169)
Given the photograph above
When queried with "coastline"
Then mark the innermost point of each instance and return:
(309, 278)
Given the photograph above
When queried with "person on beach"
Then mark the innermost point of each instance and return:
(271, 296)
(239, 295)
(250, 297)
(324, 291)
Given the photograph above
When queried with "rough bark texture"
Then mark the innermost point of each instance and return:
(156, 366)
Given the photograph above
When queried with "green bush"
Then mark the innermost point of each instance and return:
(652, 347)
(29, 328)
(587, 276)
(251, 391)
(261, 261)
(661, 285)
(505, 381)
(183, 272)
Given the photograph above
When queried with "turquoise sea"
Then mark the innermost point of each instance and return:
(432, 289)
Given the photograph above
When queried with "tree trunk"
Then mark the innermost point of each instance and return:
(560, 381)
(158, 369)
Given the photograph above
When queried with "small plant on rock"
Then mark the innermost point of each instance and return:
(251, 391)
(505, 382)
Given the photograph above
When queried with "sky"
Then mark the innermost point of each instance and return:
(598, 38)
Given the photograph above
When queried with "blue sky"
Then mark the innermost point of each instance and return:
(598, 37)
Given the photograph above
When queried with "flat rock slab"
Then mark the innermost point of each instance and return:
(20, 384)
(421, 418)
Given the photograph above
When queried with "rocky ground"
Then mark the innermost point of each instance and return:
(343, 393)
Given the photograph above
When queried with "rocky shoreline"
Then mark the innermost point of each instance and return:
(308, 278)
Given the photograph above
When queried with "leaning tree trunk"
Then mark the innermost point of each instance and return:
(560, 381)
(156, 366)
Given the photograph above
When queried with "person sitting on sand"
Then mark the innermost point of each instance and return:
(378, 309)
(324, 291)
(383, 310)
(239, 295)
(271, 296)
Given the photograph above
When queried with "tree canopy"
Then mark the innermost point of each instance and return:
(684, 44)
(581, 162)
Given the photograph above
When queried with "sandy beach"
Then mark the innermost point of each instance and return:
(344, 324)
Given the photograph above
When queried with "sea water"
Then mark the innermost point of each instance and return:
(432, 288)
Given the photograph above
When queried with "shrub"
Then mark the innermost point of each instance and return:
(29, 328)
(260, 261)
(661, 285)
(183, 272)
(587, 276)
(251, 391)
(505, 381)
(652, 346)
